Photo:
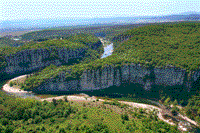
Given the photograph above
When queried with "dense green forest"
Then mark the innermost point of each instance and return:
(7, 41)
(175, 44)
(193, 107)
(156, 45)
(65, 32)
(27, 115)
(107, 31)
(86, 40)
(80, 41)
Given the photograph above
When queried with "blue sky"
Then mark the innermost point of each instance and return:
(51, 9)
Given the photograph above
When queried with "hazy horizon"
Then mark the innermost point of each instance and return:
(26, 10)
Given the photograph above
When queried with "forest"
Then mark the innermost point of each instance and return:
(78, 50)
(27, 115)
(150, 45)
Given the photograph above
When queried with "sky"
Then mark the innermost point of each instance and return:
(63, 9)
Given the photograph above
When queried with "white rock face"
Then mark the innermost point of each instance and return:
(169, 76)
(115, 76)
(31, 59)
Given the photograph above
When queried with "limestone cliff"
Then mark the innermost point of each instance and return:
(115, 76)
(32, 59)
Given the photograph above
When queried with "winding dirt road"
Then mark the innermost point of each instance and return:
(87, 98)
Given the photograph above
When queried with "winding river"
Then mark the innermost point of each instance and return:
(13, 91)
(107, 52)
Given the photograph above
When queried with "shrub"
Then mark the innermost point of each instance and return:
(1, 100)
(84, 116)
(100, 127)
(54, 101)
(38, 119)
(59, 101)
(43, 129)
(9, 129)
(175, 111)
(2, 128)
(11, 84)
(22, 85)
(52, 120)
(141, 110)
(61, 130)
(4, 121)
(125, 117)
(167, 101)
(30, 121)
(65, 98)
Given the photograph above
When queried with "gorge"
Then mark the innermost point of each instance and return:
(115, 76)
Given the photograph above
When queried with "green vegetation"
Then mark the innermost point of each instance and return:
(11, 84)
(116, 103)
(193, 108)
(159, 45)
(28, 115)
(189, 107)
(80, 42)
(64, 32)
(44, 45)
(85, 39)
(155, 45)
(7, 41)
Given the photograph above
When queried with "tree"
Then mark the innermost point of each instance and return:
(54, 101)
(9, 129)
(166, 102)
(43, 128)
(2, 128)
(52, 120)
(65, 98)
(61, 130)
(4, 121)
(38, 119)
(175, 103)
(11, 84)
(175, 111)
(125, 117)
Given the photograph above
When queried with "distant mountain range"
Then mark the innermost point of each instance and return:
(15, 25)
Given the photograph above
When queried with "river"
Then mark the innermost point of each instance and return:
(107, 52)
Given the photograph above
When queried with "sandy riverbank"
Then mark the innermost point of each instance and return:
(86, 98)
(15, 90)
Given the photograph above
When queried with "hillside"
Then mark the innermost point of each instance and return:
(61, 116)
(150, 46)
(163, 58)
(7, 41)
(31, 56)
(155, 61)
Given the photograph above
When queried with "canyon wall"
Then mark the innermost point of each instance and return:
(31, 59)
(128, 74)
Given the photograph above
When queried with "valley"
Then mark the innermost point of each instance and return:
(130, 67)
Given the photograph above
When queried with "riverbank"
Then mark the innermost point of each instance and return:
(7, 88)
(86, 98)
(81, 98)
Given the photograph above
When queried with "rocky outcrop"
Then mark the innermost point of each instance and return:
(128, 74)
(31, 59)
